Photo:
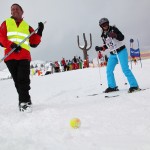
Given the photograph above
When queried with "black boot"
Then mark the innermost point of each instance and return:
(25, 107)
(109, 89)
(133, 89)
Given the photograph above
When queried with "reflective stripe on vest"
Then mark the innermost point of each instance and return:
(18, 34)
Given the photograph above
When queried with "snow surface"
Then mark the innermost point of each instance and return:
(120, 123)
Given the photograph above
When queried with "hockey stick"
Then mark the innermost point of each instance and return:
(19, 44)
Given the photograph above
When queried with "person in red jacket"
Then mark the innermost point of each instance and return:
(12, 31)
(63, 63)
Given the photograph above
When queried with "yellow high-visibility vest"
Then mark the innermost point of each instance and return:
(18, 34)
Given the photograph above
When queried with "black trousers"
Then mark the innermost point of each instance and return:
(20, 71)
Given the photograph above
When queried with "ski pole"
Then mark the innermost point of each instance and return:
(139, 53)
(99, 69)
(131, 47)
(117, 54)
(19, 44)
(119, 61)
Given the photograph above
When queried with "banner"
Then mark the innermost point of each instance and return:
(134, 52)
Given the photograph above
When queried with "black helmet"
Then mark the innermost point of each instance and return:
(103, 20)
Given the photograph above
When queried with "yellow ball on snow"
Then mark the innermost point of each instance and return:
(75, 123)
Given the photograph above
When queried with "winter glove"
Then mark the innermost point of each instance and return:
(112, 35)
(18, 48)
(41, 28)
(1, 45)
(97, 48)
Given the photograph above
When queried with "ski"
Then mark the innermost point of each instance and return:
(92, 95)
(88, 95)
(111, 96)
(107, 96)
(115, 95)
(138, 90)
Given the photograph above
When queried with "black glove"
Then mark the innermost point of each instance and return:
(112, 35)
(18, 48)
(97, 48)
(41, 28)
(1, 45)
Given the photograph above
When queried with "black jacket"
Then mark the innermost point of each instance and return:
(120, 36)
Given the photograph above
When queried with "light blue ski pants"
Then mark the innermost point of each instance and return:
(123, 61)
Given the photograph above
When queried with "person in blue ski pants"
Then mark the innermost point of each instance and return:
(113, 40)
(123, 60)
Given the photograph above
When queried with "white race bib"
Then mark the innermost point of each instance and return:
(110, 44)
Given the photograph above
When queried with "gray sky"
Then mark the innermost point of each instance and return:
(68, 18)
